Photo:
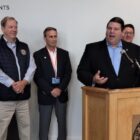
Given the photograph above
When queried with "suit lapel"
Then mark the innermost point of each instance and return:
(59, 60)
(48, 61)
(106, 58)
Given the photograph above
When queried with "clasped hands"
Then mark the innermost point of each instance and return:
(19, 86)
(56, 92)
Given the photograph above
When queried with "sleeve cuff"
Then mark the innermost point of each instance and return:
(9, 82)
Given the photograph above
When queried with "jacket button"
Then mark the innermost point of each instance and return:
(118, 79)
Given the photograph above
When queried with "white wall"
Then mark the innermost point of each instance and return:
(78, 22)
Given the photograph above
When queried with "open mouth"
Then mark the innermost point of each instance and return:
(111, 36)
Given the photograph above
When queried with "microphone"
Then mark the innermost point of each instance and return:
(133, 62)
(125, 53)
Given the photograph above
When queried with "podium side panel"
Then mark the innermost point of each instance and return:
(94, 116)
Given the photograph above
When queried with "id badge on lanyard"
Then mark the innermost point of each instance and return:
(55, 80)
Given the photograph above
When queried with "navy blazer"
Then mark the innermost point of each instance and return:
(45, 72)
(96, 57)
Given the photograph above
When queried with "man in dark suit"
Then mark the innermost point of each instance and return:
(111, 63)
(52, 77)
(128, 32)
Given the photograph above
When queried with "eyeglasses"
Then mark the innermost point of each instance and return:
(129, 33)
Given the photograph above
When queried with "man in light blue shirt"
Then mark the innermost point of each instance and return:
(112, 62)
(17, 68)
(115, 55)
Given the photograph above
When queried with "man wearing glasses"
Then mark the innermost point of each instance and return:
(128, 33)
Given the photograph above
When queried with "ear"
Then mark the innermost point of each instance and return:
(2, 29)
(45, 39)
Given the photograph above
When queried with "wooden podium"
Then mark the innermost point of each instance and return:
(111, 114)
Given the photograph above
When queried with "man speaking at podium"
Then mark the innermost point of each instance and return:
(111, 63)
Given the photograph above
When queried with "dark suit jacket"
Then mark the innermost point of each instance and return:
(45, 72)
(96, 57)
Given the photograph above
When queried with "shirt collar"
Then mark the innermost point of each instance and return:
(10, 44)
(119, 45)
(55, 50)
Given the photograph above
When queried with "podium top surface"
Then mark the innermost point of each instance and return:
(105, 90)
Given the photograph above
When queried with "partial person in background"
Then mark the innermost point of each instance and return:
(17, 68)
(110, 63)
(128, 33)
(52, 77)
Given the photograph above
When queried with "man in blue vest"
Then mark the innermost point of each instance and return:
(16, 72)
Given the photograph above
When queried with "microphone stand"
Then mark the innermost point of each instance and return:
(137, 63)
